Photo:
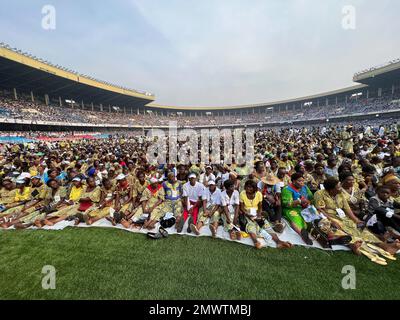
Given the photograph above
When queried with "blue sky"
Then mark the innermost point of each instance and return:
(210, 52)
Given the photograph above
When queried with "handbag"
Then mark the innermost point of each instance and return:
(318, 234)
(323, 239)
(168, 223)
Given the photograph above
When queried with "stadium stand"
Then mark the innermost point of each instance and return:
(38, 95)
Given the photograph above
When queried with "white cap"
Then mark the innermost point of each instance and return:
(20, 181)
(77, 179)
(121, 176)
(192, 175)
(24, 175)
(211, 183)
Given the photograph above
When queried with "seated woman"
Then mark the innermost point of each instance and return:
(333, 205)
(37, 190)
(210, 211)
(139, 185)
(251, 210)
(22, 195)
(107, 196)
(319, 175)
(295, 198)
(123, 195)
(90, 198)
(230, 210)
(52, 198)
(67, 208)
(151, 206)
(7, 195)
(354, 195)
(308, 178)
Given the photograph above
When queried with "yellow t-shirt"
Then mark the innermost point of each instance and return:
(75, 193)
(251, 203)
(22, 196)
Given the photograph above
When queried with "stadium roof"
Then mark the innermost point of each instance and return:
(379, 75)
(27, 73)
(323, 95)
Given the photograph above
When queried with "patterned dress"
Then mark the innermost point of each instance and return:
(293, 213)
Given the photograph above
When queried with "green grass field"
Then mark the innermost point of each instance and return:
(100, 263)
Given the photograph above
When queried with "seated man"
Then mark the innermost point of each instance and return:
(210, 211)
(192, 192)
(383, 219)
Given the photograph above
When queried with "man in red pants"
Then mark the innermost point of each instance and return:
(192, 192)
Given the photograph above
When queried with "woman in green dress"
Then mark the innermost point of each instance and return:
(296, 197)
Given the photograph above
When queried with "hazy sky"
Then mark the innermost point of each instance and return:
(209, 52)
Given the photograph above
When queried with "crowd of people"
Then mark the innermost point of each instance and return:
(338, 185)
(23, 108)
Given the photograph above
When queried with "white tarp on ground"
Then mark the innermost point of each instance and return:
(288, 234)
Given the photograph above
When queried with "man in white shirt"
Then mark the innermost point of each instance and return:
(192, 193)
(211, 203)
